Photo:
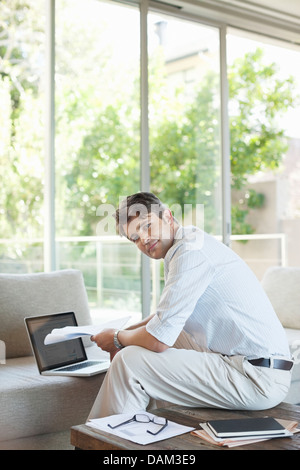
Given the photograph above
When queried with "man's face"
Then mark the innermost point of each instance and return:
(154, 236)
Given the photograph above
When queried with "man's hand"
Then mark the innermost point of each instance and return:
(105, 341)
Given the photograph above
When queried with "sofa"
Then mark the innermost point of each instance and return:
(37, 411)
(282, 285)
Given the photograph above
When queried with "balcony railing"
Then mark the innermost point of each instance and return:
(111, 265)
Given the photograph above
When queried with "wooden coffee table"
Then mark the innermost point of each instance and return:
(86, 438)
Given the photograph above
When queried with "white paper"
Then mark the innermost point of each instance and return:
(72, 332)
(137, 432)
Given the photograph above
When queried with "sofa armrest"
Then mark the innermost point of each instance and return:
(24, 295)
(282, 286)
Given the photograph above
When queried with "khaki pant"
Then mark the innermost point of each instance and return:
(187, 377)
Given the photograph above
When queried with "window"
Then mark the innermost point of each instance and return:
(184, 123)
(22, 62)
(264, 115)
(97, 145)
(184, 116)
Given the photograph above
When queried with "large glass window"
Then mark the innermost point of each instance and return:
(22, 61)
(264, 114)
(184, 121)
(184, 117)
(97, 145)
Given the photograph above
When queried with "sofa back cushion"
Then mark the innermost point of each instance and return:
(282, 286)
(25, 295)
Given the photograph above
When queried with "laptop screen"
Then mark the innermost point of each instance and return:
(58, 354)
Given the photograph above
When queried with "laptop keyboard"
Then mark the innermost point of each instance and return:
(81, 365)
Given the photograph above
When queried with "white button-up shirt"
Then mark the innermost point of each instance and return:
(213, 295)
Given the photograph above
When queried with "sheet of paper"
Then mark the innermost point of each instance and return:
(71, 332)
(137, 432)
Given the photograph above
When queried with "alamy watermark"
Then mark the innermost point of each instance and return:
(188, 214)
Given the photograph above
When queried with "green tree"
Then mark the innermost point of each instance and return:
(21, 46)
(185, 152)
(106, 167)
(185, 156)
(185, 145)
(21, 148)
(258, 98)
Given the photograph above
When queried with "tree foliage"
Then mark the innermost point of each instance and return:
(21, 121)
(258, 98)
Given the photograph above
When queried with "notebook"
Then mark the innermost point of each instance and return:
(231, 428)
(64, 358)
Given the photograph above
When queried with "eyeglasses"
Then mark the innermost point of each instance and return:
(140, 418)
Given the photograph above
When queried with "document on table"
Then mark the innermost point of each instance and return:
(67, 333)
(137, 432)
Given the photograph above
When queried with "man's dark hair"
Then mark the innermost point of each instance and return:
(136, 205)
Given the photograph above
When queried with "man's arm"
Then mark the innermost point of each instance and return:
(135, 335)
(141, 337)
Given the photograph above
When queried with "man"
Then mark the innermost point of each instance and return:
(214, 341)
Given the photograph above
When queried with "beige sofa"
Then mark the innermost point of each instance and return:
(37, 411)
(282, 285)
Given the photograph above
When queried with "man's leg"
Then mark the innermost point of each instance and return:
(186, 377)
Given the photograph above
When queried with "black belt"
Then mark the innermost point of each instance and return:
(274, 363)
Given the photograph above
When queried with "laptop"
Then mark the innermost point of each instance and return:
(67, 358)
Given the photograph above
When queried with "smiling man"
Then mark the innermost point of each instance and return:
(214, 341)
(153, 232)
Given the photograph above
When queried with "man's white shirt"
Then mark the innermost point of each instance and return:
(213, 295)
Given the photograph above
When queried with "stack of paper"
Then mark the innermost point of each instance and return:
(237, 432)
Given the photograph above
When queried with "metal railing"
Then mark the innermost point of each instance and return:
(281, 237)
(104, 272)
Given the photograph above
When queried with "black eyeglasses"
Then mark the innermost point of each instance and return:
(140, 418)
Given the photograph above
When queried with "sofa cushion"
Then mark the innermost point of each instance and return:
(282, 285)
(33, 404)
(23, 295)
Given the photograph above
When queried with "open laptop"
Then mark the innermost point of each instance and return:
(65, 358)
